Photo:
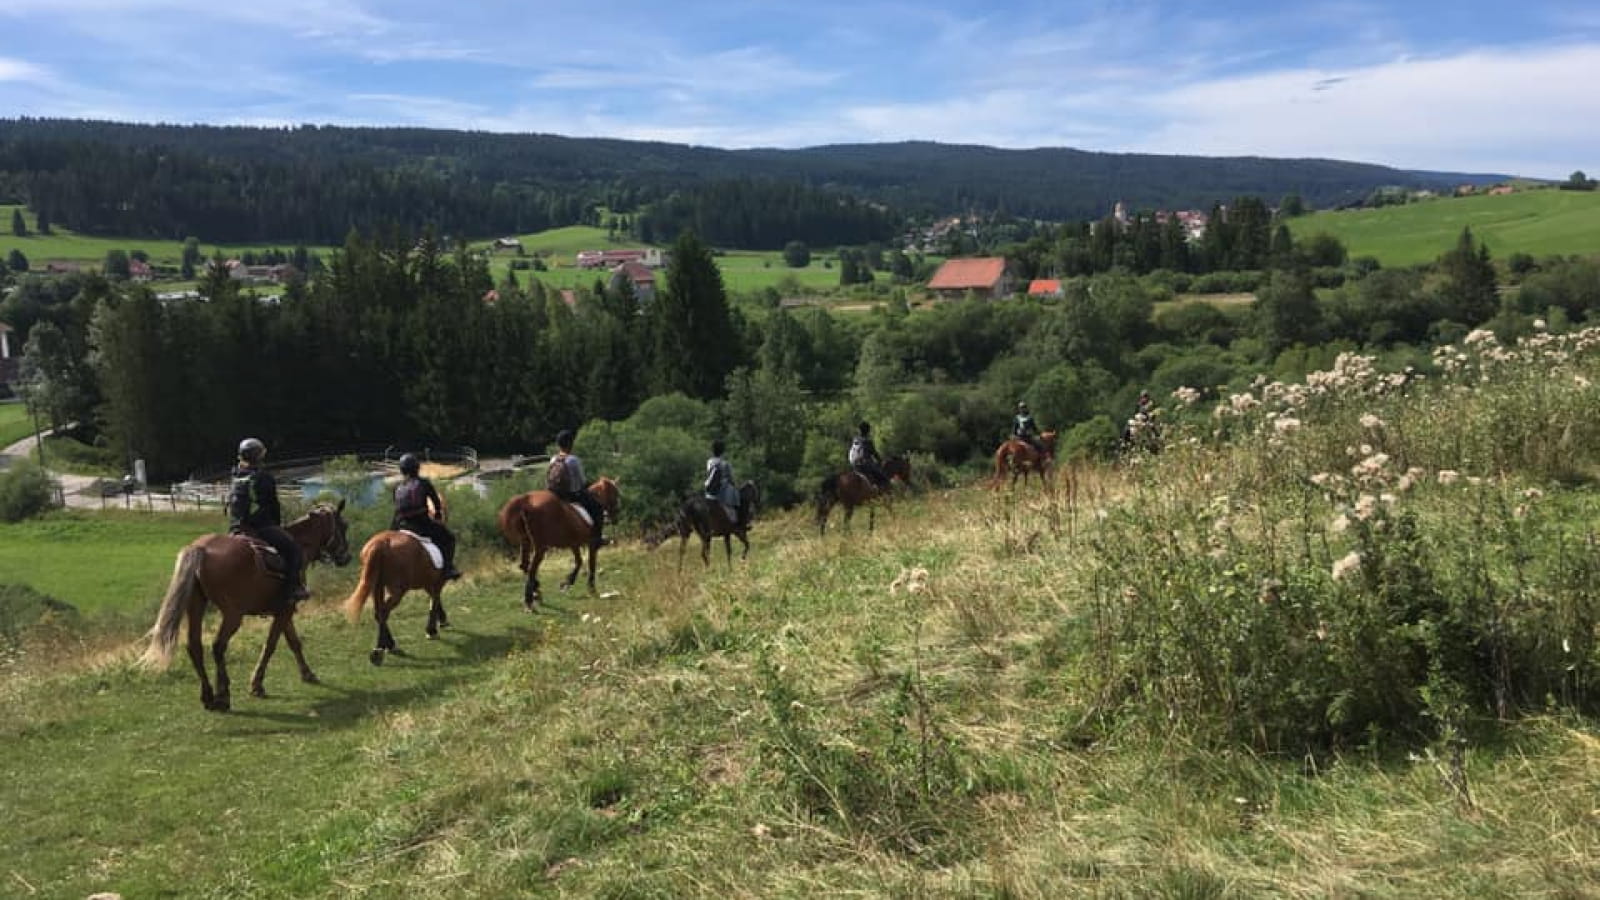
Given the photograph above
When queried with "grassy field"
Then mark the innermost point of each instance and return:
(1538, 222)
(68, 246)
(15, 423)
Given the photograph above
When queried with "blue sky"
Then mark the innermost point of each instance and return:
(1461, 85)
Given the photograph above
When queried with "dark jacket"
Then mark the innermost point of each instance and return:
(1023, 426)
(253, 502)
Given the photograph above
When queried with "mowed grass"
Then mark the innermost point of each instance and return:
(101, 562)
(1539, 222)
(625, 745)
(63, 245)
(15, 423)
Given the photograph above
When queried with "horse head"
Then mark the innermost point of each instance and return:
(1048, 441)
(750, 497)
(605, 490)
(898, 467)
(333, 533)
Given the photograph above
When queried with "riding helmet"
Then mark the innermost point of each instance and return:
(252, 449)
(865, 428)
(409, 464)
(564, 439)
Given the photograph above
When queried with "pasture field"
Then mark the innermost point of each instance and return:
(15, 423)
(1539, 222)
(883, 714)
(105, 562)
(69, 246)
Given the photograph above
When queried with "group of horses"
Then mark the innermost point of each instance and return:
(241, 577)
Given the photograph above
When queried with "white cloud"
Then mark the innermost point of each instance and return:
(746, 70)
(1477, 110)
(23, 71)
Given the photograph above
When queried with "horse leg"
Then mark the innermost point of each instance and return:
(727, 546)
(592, 551)
(530, 589)
(872, 518)
(219, 657)
(197, 654)
(577, 566)
(683, 544)
(435, 615)
(705, 549)
(292, 636)
(258, 677)
(746, 542)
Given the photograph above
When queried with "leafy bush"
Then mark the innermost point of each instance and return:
(25, 490)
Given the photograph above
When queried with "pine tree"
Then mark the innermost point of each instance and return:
(1468, 293)
(694, 343)
(19, 227)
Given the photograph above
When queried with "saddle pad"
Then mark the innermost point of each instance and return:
(582, 514)
(434, 553)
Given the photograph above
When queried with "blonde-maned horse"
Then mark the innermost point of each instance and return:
(393, 563)
(224, 570)
(1019, 459)
(539, 520)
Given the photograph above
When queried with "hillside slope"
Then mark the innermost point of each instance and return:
(1539, 222)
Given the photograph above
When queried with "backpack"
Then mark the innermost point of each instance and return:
(409, 496)
(555, 476)
(858, 450)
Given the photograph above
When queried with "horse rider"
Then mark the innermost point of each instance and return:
(864, 457)
(1025, 429)
(1146, 406)
(253, 510)
(418, 508)
(719, 482)
(566, 480)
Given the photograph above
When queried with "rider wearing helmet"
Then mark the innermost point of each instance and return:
(864, 457)
(418, 508)
(566, 480)
(719, 485)
(1025, 429)
(253, 510)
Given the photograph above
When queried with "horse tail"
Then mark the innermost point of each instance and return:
(164, 633)
(371, 582)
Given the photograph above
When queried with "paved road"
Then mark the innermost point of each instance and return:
(78, 491)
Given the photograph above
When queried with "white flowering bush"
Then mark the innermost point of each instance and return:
(1363, 554)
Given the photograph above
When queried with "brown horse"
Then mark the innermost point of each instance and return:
(226, 571)
(854, 489)
(1018, 458)
(706, 517)
(393, 563)
(539, 520)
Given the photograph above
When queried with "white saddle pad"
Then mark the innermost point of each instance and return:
(434, 553)
(582, 514)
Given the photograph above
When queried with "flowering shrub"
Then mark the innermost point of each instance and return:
(1362, 554)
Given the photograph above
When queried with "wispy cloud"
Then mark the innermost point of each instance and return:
(745, 70)
(22, 70)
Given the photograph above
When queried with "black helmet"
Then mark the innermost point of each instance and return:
(1022, 406)
(864, 428)
(409, 464)
(564, 439)
(718, 447)
(252, 449)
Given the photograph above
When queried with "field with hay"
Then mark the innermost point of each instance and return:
(1338, 638)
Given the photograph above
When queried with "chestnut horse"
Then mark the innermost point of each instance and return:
(539, 520)
(224, 570)
(854, 489)
(704, 516)
(393, 563)
(1018, 457)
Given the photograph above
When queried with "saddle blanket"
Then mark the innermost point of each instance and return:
(582, 514)
(268, 559)
(434, 553)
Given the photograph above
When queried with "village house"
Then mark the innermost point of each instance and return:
(639, 277)
(988, 277)
(139, 271)
(652, 257)
(1045, 287)
(507, 243)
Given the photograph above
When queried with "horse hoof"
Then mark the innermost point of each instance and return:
(258, 691)
(433, 635)
(220, 704)
(375, 657)
(396, 651)
(309, 677)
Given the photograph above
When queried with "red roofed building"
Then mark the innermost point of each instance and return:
(637, 275)
(986, 276)
(1044, 287)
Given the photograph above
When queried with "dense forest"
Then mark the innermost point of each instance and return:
(313, 184)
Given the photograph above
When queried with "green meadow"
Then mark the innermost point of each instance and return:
(15, 423)
(1539, 222)
(63, 245)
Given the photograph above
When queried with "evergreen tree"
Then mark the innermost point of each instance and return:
(41, 223)
(694, 344)
(116, 264)
(18, 226)
(796, 255)
(16, 261)
(1287, 312)
(1468, 292)
(191, 257)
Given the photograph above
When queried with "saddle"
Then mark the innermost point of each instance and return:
(435, 555)
(268, 561)
(582, 513)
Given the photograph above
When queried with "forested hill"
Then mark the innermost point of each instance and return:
(314, 183)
